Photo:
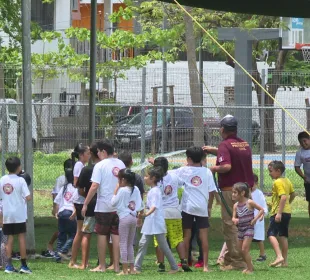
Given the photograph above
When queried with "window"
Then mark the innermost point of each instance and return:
(75, 5)
(43, 14)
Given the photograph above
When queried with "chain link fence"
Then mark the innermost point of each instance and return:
(132, 115)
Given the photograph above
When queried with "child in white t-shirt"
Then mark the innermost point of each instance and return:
(259, 228)
(65, 213)
(60, 182)
(82, 153)
(198, 182)
(169, 187)
(127, 200)
(14, 192)
(154, 223)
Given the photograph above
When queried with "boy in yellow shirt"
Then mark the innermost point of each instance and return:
(283, 195)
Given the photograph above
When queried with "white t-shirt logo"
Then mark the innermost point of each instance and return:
(67, 196)
(132, 205)
(8, 188)
(196, 181)
(115, 171)
(168, 190)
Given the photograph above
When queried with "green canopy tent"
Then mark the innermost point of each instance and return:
(284, 8)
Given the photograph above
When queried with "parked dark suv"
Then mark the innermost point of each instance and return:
(128, 136)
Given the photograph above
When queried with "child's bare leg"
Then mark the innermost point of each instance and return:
(245, 249)
(22, 245)
(76, 243)
(9, 248)
(85, 250)
(125, 269)
(261, 248)
(276, 247)
(160, 255)
(203, 235)
(240, 243)
(222, 254)
(132, 268)
(116, 252)
(284, 248)
(52, 241)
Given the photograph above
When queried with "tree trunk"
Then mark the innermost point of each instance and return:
(194, 81)
(270, 144)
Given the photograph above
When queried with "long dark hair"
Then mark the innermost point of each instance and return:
(78, 150)
(129, 176)
(69, 178)
(94, 150)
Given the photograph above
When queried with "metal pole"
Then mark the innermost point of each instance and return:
(201, 69)
(93, 56)
(108, 28)
(27, 99)
(283, 137)
(143, 115)
(4, 135)
(165, 99)
(262, 133)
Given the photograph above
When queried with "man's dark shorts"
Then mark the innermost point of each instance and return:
(188, 220)
(307, 191)
(106, 223)
(279, 229)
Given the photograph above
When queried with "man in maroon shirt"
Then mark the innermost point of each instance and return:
(233, 165)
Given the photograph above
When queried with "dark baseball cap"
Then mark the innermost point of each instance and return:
(229, 121)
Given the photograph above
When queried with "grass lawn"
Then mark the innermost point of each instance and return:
(298, 252)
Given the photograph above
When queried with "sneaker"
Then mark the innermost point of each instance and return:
(161, 267)
(25, 269)
(16, 256)
(10, 269)
(199, 264)
(48, 254)
(185, 266)
(262, 258)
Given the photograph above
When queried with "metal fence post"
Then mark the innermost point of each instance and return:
(283, 138)
(4, 135)
(143, 115)
(27, 115)
(164, 135)
(262, 133)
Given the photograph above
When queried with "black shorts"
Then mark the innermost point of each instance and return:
(307, 191)
(14, 229)
(78, 209)
(106, 223)
(279, 229)
(188, 220)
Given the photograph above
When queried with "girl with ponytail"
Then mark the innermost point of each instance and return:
(82, 154)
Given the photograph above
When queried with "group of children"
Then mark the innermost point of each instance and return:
(106, 197)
